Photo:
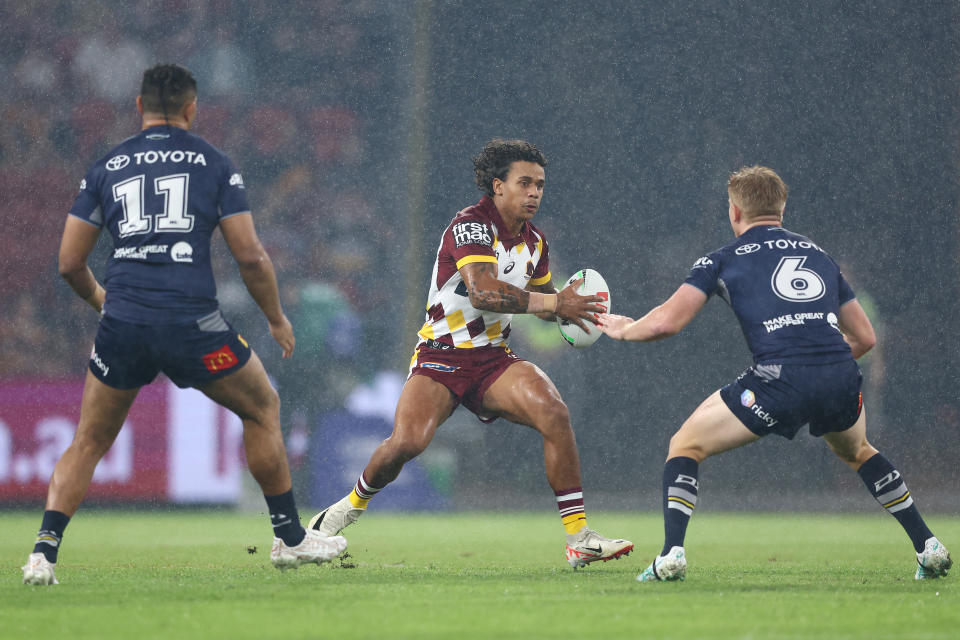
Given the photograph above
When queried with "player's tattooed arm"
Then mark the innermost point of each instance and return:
(488, 293)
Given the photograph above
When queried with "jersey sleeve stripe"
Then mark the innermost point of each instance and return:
(468, 259)
(230, 215)
(89, 222)
(539, 281)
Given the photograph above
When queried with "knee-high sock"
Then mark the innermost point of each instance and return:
(680, 488)
(889, 489)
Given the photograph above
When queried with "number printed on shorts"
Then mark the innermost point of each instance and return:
(792, 282)
(174, 216)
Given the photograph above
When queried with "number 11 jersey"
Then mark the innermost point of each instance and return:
(161, 194)
(785, 291)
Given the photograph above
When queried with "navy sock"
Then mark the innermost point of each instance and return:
(886, 485)
(285, 519)
(50, 534)
(680, 488)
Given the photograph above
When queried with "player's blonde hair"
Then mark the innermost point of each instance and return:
(758, 191)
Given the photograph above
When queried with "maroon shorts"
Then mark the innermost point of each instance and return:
(467, 373)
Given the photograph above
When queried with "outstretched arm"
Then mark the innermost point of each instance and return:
(661, 322)
(79, 239)
(258, 275)
(857, 329)
(490, 294)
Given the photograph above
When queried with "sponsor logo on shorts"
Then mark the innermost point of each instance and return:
(749, 400)
(182, 252)
(98, 362)
(744, 249)
(436, 366)
(472, 233)
(509, 267)
(220, 359)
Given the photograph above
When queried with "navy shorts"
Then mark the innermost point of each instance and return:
(127, 355)
(781, 399)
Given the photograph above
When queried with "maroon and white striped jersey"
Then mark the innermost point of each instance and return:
(476, 234)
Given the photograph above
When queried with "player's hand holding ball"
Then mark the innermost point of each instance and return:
(583, 298)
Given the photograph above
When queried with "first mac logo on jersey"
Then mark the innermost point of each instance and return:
(471, 233)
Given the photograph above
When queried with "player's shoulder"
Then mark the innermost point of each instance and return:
(475, 212)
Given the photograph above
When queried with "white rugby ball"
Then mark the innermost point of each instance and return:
(593, 285)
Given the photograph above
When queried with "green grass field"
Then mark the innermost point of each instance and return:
(189, 575)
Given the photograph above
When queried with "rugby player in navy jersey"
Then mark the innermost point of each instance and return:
(161, 194)
(492, 262)
(805, 329)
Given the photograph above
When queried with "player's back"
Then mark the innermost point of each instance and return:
(785, 291)
(161, 194)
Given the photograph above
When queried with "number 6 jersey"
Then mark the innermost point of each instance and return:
(161, 194)
(785, 291)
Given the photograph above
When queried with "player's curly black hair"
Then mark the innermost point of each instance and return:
(166, 88)
(495, 159)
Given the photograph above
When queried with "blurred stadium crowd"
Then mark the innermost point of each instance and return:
(288, 95)
(311, 100)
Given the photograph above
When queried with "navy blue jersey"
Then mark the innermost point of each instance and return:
(785, 291)
(161, 194)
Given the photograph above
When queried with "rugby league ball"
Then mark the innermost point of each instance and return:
(593, 285)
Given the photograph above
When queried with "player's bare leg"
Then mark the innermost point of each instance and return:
(248, 394)
(886, 484)
(102, 412)
(525, 395)
(711, 429)
(423, 406)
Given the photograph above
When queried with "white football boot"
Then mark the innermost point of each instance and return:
(314, 548)
(672, 566)
(588, 546)
(933, 561)
(335, 518)
(39, 570)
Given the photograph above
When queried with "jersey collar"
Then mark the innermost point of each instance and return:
(490, 210)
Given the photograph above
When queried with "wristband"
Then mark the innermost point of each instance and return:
(540, 302)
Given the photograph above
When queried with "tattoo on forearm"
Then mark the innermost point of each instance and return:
(504, 298)
(501, 297)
